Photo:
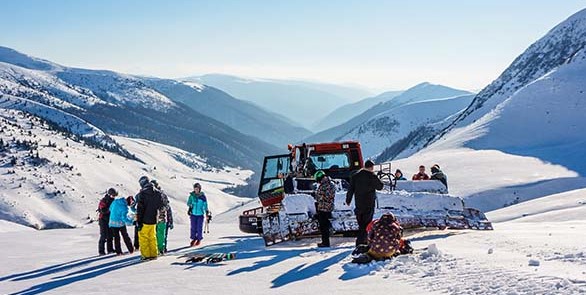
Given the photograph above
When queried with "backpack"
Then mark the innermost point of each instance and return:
(103, 208)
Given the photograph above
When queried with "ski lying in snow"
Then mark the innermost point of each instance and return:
(210, 257)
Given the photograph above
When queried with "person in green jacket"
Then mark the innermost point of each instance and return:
(198, 208)
(164, 220)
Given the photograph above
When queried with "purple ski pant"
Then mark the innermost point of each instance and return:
(196, 227)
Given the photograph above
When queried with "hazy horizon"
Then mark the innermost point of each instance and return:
(376, 45)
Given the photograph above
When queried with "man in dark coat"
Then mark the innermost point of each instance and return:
(437, 174)
(106, 236)
(149, 202)
(363, 185)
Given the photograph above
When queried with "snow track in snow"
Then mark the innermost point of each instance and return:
(446, 273)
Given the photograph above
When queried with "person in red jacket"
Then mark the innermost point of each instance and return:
(106, 236)
(421, 175)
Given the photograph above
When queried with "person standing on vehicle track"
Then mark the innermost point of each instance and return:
(363, 185)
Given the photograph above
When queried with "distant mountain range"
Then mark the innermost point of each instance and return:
(241, 115)
(387, 128)
(534, 108)
(125, 105)
(299, 101)
(421, 92)
(348, 111)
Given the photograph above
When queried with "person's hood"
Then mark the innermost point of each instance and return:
(388, 218)
(119, 202)
(201, 195)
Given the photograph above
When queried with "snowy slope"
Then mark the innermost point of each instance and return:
(562, 207)
(126, 105)
(348, 111)
(420, 92)
(14, 57)
(536, 107)
(388, 127)
(522, 256)
(302, 102)
(71, 123)
(455, 262)
(62, 185)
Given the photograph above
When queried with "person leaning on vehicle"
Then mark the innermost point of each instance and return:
(437, 174)
(363, 185)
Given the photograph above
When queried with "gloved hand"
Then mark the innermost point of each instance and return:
(171, 226)
(139, 226)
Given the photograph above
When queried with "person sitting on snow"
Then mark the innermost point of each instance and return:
(385, 240)
(437, 174)
(421, 175)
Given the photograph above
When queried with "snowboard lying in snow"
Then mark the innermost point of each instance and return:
(208, 258)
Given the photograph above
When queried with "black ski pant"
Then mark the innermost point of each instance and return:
(136, 245)
(105, 237)
(363, 217)
(323, 218)
(117, 231)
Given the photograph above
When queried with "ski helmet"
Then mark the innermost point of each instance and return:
(112, 192)
(319, 175)
(143, 181)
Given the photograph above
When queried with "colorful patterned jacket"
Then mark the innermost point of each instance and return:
(325, 194)
(384, 237)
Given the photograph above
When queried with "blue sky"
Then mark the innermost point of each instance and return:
(379, 44)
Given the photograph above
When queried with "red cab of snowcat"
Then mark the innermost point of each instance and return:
(337, 159)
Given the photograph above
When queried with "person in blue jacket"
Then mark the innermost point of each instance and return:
(198, 208)
(119, 218)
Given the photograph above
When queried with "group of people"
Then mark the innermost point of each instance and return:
(381, 238)
(436, 174)
(151, 214)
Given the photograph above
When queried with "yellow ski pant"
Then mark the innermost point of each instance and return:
(147, 238)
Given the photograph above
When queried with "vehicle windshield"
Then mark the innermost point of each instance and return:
(275, 169)
(330, 161)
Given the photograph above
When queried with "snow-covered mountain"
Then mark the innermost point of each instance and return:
(49, 179)
(385, 129)
(536, 107)
(302, 102)
(418, 93)
(348, 111)
(241, 115)
(124, 105)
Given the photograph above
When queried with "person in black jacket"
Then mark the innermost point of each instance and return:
(149, 202)
(364, 184)
(437, 174)
(106, 236)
